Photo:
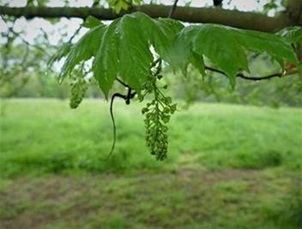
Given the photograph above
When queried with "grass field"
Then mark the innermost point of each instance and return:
(228, 167)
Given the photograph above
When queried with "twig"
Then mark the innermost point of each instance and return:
(75, 33)
(172, 10)
(253, 78)
(114, 129)
(258, 78)
(122, 83)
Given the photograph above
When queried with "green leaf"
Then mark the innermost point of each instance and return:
(292, 34)
(181, 51)
(271, 44)
(220, 46)
(83, 50)
(62, 52)
(227, 48)
(119, 5)
(125, 49)
(134, 52)
(163, 36)
(198, 62)
(106, 62)
(91, 22)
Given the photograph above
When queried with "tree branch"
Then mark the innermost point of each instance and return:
(258, 78)
(252, 78)
(234, 18)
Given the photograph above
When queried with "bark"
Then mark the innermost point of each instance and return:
(238, 19)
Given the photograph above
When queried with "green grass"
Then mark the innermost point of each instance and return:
(45, 136)
(228, 167)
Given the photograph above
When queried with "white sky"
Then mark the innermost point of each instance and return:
(33, 27)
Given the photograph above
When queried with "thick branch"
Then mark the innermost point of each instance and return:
(238, 19)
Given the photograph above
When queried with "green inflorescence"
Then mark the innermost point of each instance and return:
(78, 89)
(157, 115)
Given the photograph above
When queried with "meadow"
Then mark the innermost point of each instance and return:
(228, 166)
